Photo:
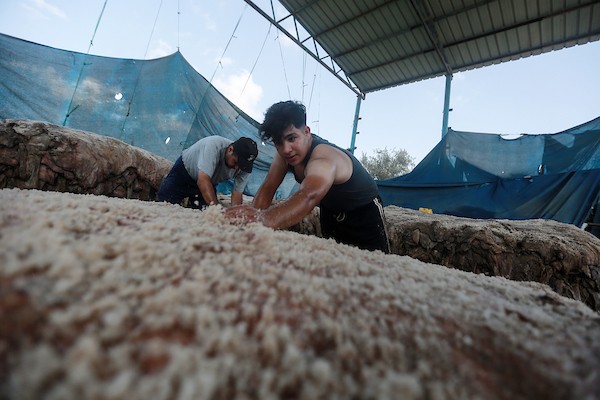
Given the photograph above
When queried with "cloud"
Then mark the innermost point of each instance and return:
(92, 88)
(225, 62)
(161, 49)
(209, 23)
(247, 98)
(206, 20)
(55, 81)
(459, 76)
(43, 9)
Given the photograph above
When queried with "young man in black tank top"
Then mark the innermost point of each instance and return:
(329, 177)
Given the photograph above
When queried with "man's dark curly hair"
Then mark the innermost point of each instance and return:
(279, 117)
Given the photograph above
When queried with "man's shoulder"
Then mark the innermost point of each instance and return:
(216, 140)
(319, 142)
(327, 155)
(327, 150)
(214, 144)
(208, 146)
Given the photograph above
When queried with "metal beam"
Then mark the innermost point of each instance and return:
(296, 40)
(355, 125)
(446, 105)
(401, 32)
(438, 49)
(422, 10)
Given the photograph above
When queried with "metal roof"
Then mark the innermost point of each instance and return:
(376, 44)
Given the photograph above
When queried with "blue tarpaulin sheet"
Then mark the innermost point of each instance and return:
(477, 175)
(161, 105)
(164, 106)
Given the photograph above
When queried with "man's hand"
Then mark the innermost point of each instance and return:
(206, 189)
(236, 198)
(244, 214)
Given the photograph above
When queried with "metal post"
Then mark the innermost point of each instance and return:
(355, 125)
(446, 104)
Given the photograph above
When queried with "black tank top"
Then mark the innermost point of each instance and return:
(357, 191)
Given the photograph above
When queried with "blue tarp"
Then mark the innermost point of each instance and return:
(164, 106)
(477, 175)
(161, 105)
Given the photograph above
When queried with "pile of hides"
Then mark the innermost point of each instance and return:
(109, 298)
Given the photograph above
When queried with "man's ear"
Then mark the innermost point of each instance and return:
(307, 130)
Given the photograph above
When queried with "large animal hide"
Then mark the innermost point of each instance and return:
(105, 298)
(38, 155)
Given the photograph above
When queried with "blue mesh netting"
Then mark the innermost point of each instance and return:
(162, 105)
(477, 175)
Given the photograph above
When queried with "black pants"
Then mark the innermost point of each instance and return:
(178, 185)
(362, 227)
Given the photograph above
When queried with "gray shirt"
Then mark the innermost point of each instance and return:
(208, 155)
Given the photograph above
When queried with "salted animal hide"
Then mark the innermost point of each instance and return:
(557, 254)
(39, 155)
(560, 255)
(36, 155)
(106, 298)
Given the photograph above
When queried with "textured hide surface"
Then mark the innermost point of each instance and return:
(106, 298)
(37, 155)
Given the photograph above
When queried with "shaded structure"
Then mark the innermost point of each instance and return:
(383, 43)
(374, 45)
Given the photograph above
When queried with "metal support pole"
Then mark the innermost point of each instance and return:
(355, 125)
(446, 104)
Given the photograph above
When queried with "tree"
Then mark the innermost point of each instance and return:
(387, 164)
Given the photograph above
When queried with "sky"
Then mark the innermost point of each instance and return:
(254, 66)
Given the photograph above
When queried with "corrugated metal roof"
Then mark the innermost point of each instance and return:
(378, 44)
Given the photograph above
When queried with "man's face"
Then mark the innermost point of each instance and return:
(231, 158)
(294, 144)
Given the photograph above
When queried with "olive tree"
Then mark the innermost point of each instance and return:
(385, 164)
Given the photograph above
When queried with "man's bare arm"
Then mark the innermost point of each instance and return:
(320, 175)
(236, 198)
(206, 188)
(266, 191)
(289, 212)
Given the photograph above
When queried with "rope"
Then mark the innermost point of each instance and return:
(312, 88)
(203, 96)
(281, 54)
(284, 71)
(137, 79)
(96, 28)
(228, 42)
(303, 73)
(69, 110)
(153, 26)
(316, 121)
(257, 57)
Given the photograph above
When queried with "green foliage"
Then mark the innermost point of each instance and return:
(385, 164)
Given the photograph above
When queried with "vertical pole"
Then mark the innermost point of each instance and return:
(446, 105)
(355, 125)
